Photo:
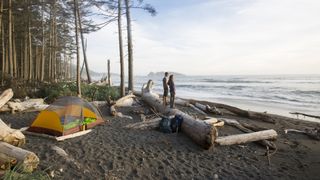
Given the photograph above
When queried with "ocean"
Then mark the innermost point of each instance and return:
(277, 94)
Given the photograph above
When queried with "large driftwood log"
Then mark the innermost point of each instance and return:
(240, 126)
(11, 136)
(199, 131)
(244, 138)
(5, 97)
(28, 160)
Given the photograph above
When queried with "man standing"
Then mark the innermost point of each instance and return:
(165, 88)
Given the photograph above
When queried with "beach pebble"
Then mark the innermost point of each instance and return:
(215, 176)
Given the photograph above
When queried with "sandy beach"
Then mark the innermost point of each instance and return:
(111, 151)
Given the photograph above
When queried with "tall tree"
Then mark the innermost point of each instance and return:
(10, 37)
(130, 53)
(77, 47)
(122, 74)
(83, 46)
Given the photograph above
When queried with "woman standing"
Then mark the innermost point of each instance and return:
(172, 88)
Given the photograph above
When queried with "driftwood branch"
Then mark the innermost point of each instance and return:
(248, 137)
(312, 133)
(307, 115)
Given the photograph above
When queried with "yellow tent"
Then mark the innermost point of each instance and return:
(65, 116)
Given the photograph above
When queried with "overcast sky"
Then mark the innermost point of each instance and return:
(208, 37)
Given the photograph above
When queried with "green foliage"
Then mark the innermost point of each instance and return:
(90, 92)
(15, 174)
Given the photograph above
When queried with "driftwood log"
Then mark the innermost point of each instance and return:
(28, 160)
(243, 113)
(207, 108)
(122, 102)
(248, 137)
(28, 105)
(5, 97)
(199, 131)
(313, 133)
(242, 127)
(11, 136)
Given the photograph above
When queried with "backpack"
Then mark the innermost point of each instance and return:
(176, 123)
(165, 125)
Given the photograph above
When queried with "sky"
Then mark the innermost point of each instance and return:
(217, 37)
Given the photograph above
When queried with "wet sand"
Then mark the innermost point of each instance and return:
(112, 152)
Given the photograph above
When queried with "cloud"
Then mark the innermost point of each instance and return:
(223, 37)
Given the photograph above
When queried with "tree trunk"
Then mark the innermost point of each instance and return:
(109, 74)
(77, 48)
(150, 124)
(10, 37)
(5, 97)
(122, 73)
(30, 45)
(248, 137)
(83, 46)
(43, 45)
(130, 53)
(28, 160)
(11, 136)
(199, 131)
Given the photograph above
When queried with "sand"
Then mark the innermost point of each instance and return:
(112, 152)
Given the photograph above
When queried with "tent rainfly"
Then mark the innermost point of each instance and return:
(67, 115)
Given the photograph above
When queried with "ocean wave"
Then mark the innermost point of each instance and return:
(235, 81)
(302, 92)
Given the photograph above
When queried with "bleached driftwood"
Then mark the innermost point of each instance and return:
(197, 109)
(28, 105)
(150, 124)
(5, 97)
(199, 131)
(241, 126)
(248, 114)
(207, 108)
(122, 102)
(77, 134)
(248, 137)
(313, 133)
(39, 135)
(11, 136)
(28, 160)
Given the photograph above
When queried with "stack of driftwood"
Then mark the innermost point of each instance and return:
(17, 105)
(11, 141)
(202, 131)
(11, 153)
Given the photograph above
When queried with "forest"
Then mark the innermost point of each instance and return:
(41, 40)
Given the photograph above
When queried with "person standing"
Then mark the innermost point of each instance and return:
(165, 88)
(172, 88)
